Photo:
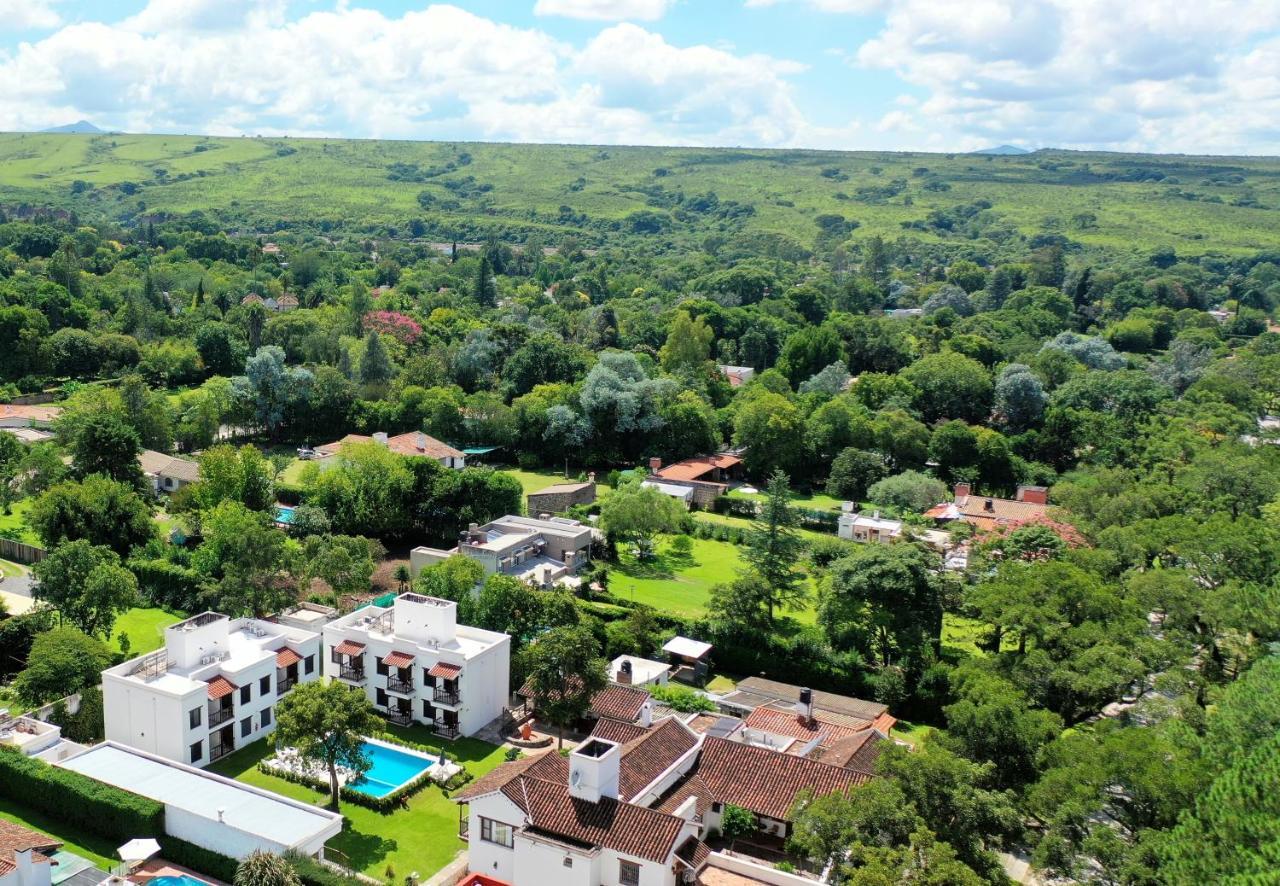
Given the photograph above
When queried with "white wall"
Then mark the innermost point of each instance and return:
(540, 862)
(484, 687)
(489, 858)
(143, 717)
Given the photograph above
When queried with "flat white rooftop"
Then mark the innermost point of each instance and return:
(268, 816)
(379, 622)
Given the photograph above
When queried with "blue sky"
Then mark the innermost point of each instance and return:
(1152, 75)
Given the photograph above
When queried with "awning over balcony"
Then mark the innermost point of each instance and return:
(349, 647)
(398, 660)
(444, 670)
(286, 657)
(220, 687)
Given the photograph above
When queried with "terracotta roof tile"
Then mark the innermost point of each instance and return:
(398, 660)
(15, 838)
(617, 730)
(286, 657)
(613, 824)
(496, 779)
(619, 702)
(829, 702)
(445, 670)
(858, 752)
(694, 853)
(646, 757)
(827, 732)
(220, 687)
(349, 647)
(696, 468)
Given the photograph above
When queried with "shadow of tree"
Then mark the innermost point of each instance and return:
(363, 850)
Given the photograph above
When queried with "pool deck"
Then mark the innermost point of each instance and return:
(158, 867)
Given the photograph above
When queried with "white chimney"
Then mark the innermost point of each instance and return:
(25, 867)
(422, 442)
(380, 437)
(593, 770)
(646, 713)
(688, 809)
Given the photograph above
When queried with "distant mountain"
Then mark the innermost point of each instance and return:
(78, 126)
(1003, 150)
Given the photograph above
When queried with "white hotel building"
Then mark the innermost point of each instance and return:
(211, 689)
(417, 664)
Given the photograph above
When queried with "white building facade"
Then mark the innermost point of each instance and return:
(211, 689)
(417, 664)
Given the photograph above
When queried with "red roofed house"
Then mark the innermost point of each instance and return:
(25, 856)
(707, 476)
(17, 415)
(212, 687)
(986, 512)
(414, 443)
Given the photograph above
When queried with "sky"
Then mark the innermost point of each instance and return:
(1167, 76)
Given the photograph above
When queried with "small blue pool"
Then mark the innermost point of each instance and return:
(391, 768)
(284, 514)
(182, 880)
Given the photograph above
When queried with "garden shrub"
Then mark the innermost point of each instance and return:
(199, 859)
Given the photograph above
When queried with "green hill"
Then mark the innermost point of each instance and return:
(447, 191)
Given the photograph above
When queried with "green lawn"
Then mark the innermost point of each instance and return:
(744, 523)
(422, 838)
(960, 635)
(145, 628)
(12, 569)
(817, 501)
(88, 846)
(913, 733)
(16, 521)
(680, 584)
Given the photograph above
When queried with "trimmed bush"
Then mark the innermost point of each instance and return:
(78, 800)
(291, 493)
(313, 873)
(201, 860)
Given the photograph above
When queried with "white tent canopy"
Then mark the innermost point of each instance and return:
(138, 850)
(686, 648)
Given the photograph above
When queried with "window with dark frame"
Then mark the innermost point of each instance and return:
(246, 726)
(497, 832)
(245, 692)
(264, 685)
(628, 873)
(309, 665)
(266, 717)
(197, 751)
(195, 717)
(382, 668)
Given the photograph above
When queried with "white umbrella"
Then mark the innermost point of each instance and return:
(138, 850)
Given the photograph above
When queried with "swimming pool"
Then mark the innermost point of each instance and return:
(180, 880)
(284, 514)
(391, 768)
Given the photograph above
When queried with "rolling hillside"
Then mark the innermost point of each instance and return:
(1193, 204)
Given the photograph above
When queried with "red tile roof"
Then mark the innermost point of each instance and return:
(412, 443)
(445, 670)
(764, 781)
(398, 660)
(15, 838)
(349, 647)
(858, 752)
(696, 468)
(496, 779)
(619, 702)
(646, 757)
(613, 824)
(286, 657)
(617, 731)
(827, 731)
(220, 686)
(30, 413)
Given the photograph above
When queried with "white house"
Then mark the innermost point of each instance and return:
(869, 528)
(630, 670)
(682, 494)
(543, 551)
(165, 472)
(416, 663)
(25, 856)
(211, 689)
(213, 812)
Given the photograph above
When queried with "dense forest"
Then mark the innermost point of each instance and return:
(1101, 325)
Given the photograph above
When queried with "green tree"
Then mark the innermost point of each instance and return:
(485, 289)
(736, 822)
(950, 385)
(772, 430)
(97, 509)
(261, 868)
(910, 491)
(103, 444)
(248, 558)
(375, 364)
(688, 345)
(327, 723)
(62, 662)
(853, 472)
(565, 672)
(229, 474)
(638, 514)
(369, 490)
(344, 562)
(87, 584)
(773, 548)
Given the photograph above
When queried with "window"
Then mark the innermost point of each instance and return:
(197, 751)
(244, 694)
(382, 698)
(628, 873)
(309, 665)
(195, 717)
(382, 668)
(428, 680)
(246, 726)
(335, 656)
(264, 685)
(266, 717)
(428, 710)
(496, 832)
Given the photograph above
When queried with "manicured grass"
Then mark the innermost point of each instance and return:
(16, 520)
(720, 684)
(914, 733)
(88, 846)
(422, 838)
(680, 584)
(536, 481)
(744, 523)
(817, 501)
(145, 628)
(12, 569)
(960, 635)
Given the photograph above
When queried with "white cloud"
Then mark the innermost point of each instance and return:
(605, 10)
(27, 15)
(857, 7)
(1086, 73)
(439, 72)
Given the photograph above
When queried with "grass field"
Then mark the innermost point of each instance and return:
(1195, 204)
(422, 838)
(817, 501)
(744, 523)
(12, 569)
(14, 524)
(145, 628)
(88, 846)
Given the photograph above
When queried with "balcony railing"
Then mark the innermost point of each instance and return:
(218, 716)
(446, 730)
(400, 687)
(217, 752)
(351, 675)
(284, 684)
(398, 716)
(445, 696)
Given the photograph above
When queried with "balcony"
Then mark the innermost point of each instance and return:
(399, 686)
(446, 730)
(218, 716)
(218, 751)
(399, 716)
(351, 675)
(445, 695)
(284, 684)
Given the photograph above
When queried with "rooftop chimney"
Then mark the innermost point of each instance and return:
(804, 707)
(1036, 495)
(989, 505)
(655, 464)
(380, 437)
(422, 442)
(646, 713)
(593, 770)
(624, 672)
(25, 866)
(962, 491)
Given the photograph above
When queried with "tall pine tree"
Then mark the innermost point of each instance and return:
(485, 290)
(773, 548)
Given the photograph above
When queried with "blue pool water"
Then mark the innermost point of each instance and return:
(391, 768)
(284, 514)
(182, 880)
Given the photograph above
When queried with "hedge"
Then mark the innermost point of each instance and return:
(78, 800)
(292, 494)
(169, 585)
(313, 873)
(199, 859)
